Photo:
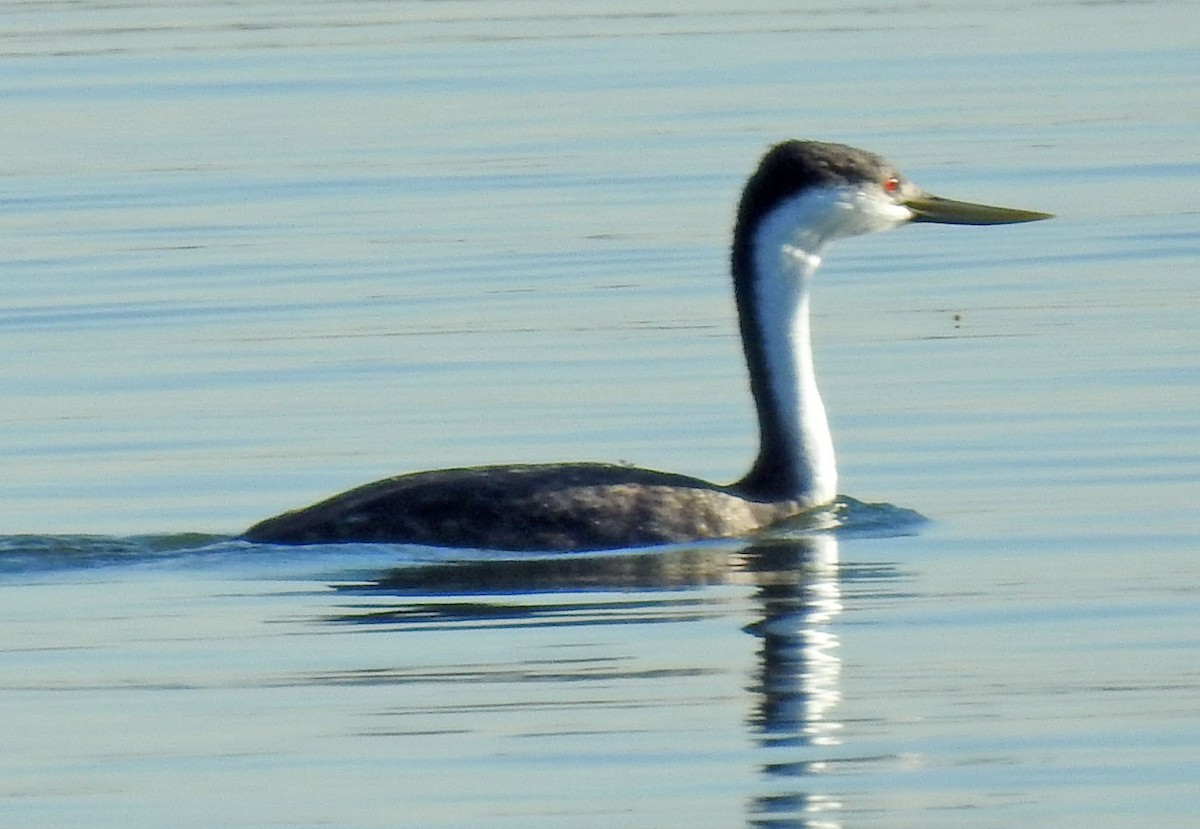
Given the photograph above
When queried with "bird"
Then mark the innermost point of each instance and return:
(802, 196)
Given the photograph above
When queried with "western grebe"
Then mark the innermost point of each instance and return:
(803, 195)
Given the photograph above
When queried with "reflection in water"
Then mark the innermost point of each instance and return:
(795, 596)
(799, 668)
(666, 568)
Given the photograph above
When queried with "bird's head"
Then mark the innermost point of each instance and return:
(812, 192)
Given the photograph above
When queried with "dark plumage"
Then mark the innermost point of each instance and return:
(580, 506)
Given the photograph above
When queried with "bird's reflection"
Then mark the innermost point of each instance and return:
(799, 596)
(795, 597)
(797, 687)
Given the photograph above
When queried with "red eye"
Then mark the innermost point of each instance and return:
(891, 185)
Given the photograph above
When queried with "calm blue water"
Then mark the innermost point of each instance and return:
(255, 254)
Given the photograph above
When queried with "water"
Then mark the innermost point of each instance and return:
(257, 253)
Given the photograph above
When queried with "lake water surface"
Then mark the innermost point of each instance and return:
(256, 253)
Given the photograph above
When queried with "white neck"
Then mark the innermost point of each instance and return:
(775, 255)
(785, 262)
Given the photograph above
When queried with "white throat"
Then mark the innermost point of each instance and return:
(784, 266)
(787, 245)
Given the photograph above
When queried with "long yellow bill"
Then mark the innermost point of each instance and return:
(927, 208)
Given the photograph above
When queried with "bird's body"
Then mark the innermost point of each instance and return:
(803, 195)
(572, 506)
